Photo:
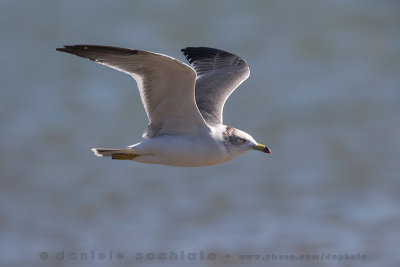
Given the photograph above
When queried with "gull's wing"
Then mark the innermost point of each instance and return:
(219, 73)
(166, 86)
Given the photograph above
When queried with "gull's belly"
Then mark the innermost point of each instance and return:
(186, 151)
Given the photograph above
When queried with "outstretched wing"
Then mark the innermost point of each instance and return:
(166, 86)
(219, 73)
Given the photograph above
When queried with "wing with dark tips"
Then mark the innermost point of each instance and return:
(166, 86)
(219, 73)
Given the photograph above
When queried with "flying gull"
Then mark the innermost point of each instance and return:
(184, 104)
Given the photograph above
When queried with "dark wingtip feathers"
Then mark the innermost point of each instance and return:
(194, 54)
(93, 51)
(62, 49)
(68, 48)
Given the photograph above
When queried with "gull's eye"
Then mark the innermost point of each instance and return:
(236, 140)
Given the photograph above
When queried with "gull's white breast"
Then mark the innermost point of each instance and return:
(182, 150)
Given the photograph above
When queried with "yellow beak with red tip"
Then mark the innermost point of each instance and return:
(262, 148)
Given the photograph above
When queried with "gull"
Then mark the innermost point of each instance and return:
(184, 104)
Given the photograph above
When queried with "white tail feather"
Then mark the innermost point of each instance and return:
(109, 152)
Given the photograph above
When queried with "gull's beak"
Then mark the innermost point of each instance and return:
(262, 148)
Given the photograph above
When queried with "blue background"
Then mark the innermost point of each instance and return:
(323, 94)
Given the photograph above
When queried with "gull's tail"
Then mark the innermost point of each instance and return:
(116, 153)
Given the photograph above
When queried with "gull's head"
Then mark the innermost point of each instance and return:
(237, 142)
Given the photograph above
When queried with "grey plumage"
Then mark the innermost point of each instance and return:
(183, 103)
(219, 73)
(166, 86)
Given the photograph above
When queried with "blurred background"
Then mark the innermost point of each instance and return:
(323, 94)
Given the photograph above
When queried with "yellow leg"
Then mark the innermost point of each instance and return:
(124, 156)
